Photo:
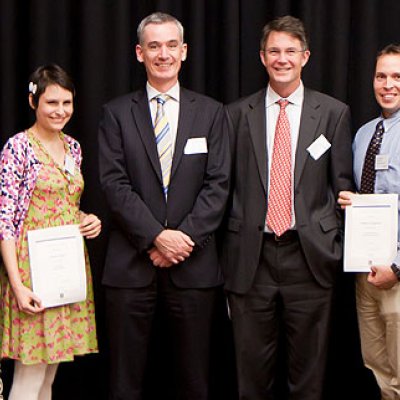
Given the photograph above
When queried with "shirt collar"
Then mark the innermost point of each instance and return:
(295, 98)
(173, 92)
(391, 120)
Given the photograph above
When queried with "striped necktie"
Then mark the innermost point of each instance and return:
(162, 133)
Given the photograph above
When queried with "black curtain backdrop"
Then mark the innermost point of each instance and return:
(94, 40)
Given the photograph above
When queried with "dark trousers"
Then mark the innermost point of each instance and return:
(284, 295)
(188, 315)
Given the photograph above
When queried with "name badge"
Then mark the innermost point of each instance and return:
(381, 162)
(319, 147)
(69, 165)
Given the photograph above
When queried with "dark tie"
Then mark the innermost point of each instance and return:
(369, 172)
(279, 215)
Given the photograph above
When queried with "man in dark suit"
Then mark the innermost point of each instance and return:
(291, 155)
(164, 165)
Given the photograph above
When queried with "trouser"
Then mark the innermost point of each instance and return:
(379, 321)
(284, 294)
(188, 315)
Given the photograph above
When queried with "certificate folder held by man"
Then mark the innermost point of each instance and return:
(370, 232)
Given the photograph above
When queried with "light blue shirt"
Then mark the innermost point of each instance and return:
(387, 180)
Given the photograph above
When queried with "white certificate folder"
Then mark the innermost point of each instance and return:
(57, 263)
(370, 231)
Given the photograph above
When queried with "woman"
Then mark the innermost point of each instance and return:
(40, 186)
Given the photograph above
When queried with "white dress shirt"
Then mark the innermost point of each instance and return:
(171, 108)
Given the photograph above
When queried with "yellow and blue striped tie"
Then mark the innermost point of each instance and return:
(162, 133)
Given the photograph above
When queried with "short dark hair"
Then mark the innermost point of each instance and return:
(46, 75)
(157, 18)
(291, 25)
(391, 48)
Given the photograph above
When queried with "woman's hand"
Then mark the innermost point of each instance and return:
(27, 301)
(90, 225)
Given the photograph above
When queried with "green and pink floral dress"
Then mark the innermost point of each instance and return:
(57, 334)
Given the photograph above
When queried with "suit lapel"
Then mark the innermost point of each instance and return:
(187, 112)
(142, 117)
(309, 122)
(257, 124)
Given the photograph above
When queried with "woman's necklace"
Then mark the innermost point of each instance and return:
(47, 150)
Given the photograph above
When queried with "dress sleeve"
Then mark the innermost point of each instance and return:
(12, 161)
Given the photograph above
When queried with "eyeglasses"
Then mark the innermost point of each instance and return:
(273, 52)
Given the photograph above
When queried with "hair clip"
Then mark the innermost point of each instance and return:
(32, 87)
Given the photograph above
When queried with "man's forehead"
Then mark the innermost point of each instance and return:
(287, 36)
(165, 31)
(388, 59)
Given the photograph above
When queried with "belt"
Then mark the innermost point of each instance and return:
(288, 236)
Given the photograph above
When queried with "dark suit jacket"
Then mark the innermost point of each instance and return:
(316, 185)
(130, 175)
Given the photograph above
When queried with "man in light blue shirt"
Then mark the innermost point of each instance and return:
(378, 292)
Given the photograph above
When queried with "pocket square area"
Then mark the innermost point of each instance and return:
(196, 146)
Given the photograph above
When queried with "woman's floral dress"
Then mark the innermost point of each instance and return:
(57, 334)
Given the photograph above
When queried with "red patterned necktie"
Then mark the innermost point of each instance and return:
(279, 215)
(369, 173)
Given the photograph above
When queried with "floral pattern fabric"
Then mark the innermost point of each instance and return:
(19, 170)
(58, 333)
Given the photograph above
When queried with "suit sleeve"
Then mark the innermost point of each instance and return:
(208, 209)
(127, 207)
(342, 159)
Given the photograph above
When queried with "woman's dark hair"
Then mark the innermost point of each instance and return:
(47, 75)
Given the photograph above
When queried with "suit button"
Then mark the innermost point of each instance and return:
(261, 228)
